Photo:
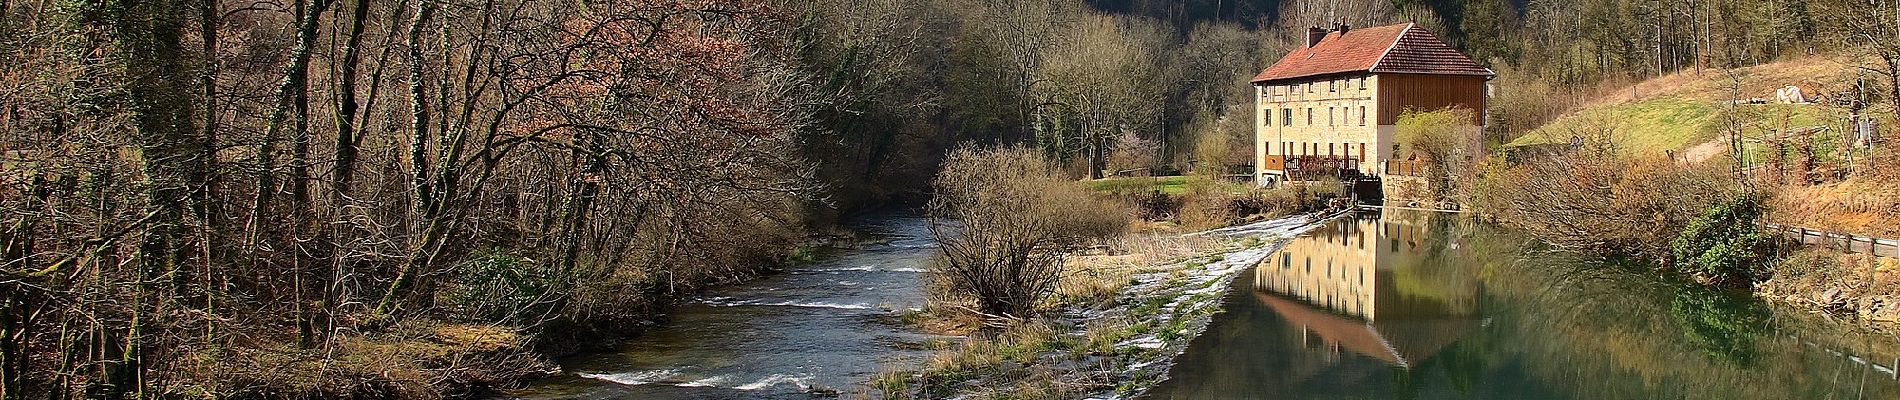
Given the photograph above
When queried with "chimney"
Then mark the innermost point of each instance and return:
(1343, 28)
(1314, 35)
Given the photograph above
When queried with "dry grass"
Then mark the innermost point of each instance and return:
(1861, 206)
(1813, 74)
(418, 360)
(1096, 278)
(1008, 362)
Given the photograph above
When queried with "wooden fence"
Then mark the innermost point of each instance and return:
(1845, 242)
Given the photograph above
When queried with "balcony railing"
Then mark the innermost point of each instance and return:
(1310, 168)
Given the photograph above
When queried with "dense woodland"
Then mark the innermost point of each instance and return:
(196, 191)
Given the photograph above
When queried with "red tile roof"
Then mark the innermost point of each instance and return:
(1404, 48)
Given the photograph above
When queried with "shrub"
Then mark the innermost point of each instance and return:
(1004, 218)
(497, 286)
(1725, 244)
(1594, 200)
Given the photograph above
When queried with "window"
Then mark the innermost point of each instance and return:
(1362, 83)
(1330, 121)
(1309, 86)
(1329, 150)
(1309, 116)
(1286, 117)
(1362, 151)
(1362, 115)
(1266, 117)
(1332, 85)
(1286, 148)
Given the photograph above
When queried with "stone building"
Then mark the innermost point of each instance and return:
(1330, 108)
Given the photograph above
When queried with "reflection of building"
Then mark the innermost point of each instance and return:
(1362, 285)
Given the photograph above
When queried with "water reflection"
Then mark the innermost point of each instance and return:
(1343, 291)
(1418, 305)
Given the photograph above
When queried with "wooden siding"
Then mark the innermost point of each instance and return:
(1399, 91)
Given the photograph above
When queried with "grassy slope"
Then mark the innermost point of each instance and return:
(1682, 110)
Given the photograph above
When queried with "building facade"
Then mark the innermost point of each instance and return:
(1332, 106)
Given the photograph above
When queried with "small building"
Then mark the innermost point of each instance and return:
(1330, 108)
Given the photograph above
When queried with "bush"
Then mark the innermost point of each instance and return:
(1004, 218)
(1595, 200)
(1725, 244)
(497, 286)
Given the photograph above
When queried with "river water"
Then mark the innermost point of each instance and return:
(818, 329)
(1411, 305)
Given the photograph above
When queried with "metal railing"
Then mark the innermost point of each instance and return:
(1851, 243)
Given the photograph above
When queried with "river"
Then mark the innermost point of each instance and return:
(816, 329)
(1405, 305)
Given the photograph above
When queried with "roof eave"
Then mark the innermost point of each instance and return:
(1488, 74)
(1299, 77)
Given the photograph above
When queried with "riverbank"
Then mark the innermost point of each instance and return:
(1126, 311)
(439, 356)
(1856, 287)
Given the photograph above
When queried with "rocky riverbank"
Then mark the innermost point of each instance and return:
(1855, 286)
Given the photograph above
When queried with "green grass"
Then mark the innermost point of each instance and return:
(1169, 185)
(1642, 127)
(1653, 126)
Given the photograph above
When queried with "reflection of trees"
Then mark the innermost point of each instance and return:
(1432, 263)
(1723, 326)
(1547, 325)
(1615, 332)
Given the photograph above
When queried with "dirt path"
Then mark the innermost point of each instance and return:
(1705, 151)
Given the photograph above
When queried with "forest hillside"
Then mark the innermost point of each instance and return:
(428, 198)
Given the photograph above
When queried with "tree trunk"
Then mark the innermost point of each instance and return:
(342, 180)
(423, 200)
(302, 208)
(1893, 81)
(149, 34)
(208, 23)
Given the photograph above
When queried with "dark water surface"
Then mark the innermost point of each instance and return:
(823, 327)
(1409, 305)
